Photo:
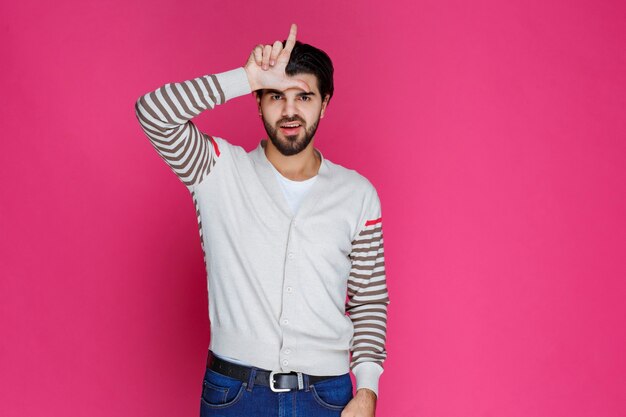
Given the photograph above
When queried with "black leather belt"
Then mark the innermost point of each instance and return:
(278, 382)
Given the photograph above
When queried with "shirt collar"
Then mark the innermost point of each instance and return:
(265, 173)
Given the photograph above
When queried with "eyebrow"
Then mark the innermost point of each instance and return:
(303, 93)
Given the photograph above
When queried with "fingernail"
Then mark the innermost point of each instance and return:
(272, 62)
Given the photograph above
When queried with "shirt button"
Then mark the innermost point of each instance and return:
(285, 362)
(291, 255)
(285, 321)
(287, 351)
(289, 289)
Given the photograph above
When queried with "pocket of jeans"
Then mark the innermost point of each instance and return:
(334, 393)
(220, 391)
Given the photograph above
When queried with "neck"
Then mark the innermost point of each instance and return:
(298, 167)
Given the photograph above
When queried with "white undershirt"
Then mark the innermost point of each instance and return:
(294, 192)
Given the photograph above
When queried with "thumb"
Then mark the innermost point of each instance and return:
(304, 86)
(296, 83)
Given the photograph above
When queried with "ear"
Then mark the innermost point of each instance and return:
(324, 104)
(258, 99)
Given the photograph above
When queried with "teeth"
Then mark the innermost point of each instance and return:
(291, 125)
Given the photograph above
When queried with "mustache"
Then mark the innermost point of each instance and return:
(296, 119)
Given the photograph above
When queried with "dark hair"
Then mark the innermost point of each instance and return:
(307, 59)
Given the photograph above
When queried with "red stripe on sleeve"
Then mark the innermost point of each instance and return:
(370, 222)
(217, 150)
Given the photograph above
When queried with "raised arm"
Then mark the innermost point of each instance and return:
(165, 114)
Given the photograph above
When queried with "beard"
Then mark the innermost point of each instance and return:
(290, 144)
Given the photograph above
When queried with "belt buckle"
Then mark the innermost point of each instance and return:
(272, 382)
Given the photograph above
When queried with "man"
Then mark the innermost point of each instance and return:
(291, 242)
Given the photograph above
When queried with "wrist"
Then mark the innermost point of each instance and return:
(233, 83)
(367, 375)
(251, 81)
(366, 392)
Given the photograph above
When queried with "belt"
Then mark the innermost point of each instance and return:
(277, 381)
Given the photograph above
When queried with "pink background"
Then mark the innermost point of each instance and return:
(494, 132)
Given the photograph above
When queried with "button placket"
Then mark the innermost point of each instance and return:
(288, 301)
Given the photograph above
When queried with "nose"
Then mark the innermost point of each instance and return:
(289, 107)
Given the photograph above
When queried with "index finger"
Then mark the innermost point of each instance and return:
(291, 40)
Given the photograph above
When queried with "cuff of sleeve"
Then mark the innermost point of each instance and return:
(234, 83)
(367, 375)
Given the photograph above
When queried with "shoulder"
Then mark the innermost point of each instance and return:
(222, 146)
(359, 193)
(353, 180)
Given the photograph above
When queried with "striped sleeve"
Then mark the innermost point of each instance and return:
(368, 299)
(165, 116)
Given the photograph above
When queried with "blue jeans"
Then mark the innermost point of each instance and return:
(223, 396)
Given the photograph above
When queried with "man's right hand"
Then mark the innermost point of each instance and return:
(266, 66)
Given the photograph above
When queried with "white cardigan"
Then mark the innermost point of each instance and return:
(279, 284)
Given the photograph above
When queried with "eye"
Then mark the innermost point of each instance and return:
(273, 96)
(305, 98)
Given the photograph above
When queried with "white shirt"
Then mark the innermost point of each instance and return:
(296, 279)
(294, 192)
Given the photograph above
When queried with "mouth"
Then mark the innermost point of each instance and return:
(291, 128)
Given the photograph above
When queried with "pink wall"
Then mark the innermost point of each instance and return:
(494, 132)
